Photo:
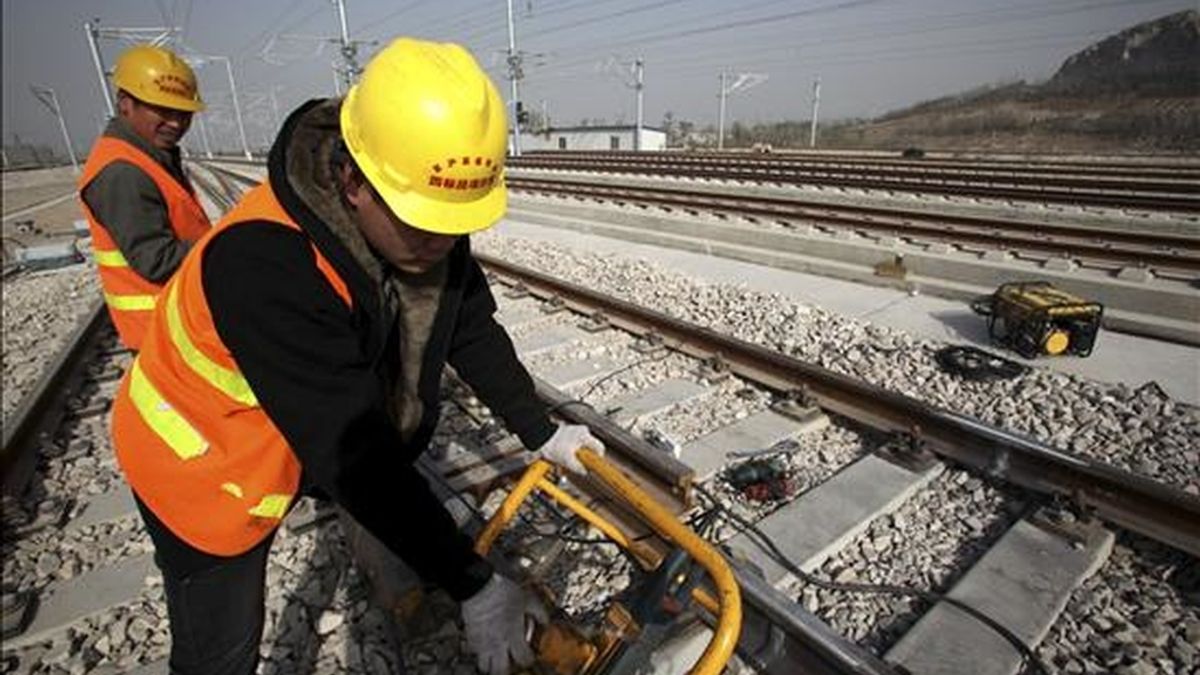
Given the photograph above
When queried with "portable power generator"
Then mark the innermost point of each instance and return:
(1035, 318)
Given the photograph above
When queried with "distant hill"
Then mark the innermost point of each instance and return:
(1159, 57)
(1138, 90)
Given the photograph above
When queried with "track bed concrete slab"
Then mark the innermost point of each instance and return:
(821, 521)
(1023, 583)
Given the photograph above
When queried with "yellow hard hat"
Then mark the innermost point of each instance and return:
(429, 132)
(156, 75)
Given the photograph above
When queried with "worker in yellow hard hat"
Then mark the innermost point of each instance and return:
(140, 206)
(300, 347)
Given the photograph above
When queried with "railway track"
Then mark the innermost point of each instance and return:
(1144, 167)
(1150, 188)
(649, 384)
(1169, 255)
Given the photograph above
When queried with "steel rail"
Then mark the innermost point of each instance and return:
(966, 178)
(42, 407)
(941, 228)
(1172, 176)
(957, 184)
(1161, 512)
(1170, 171)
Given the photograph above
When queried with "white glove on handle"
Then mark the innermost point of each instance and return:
(561, 447)
(494, 619)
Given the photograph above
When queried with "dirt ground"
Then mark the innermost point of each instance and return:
(24, 223)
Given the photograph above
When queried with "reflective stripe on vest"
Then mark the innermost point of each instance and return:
(112, 258)
(130, 303)
(270, 506)
(169, 425)
(230, 382)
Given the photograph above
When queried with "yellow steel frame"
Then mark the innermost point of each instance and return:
(726, 607)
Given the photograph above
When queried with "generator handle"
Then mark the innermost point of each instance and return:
(727, 606)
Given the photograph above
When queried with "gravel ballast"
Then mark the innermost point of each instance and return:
(40, 311)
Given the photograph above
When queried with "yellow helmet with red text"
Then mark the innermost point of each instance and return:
(429, 131)
(156, 75)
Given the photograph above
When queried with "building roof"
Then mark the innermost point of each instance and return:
(609, 127)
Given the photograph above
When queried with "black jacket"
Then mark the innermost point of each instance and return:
(325, 373)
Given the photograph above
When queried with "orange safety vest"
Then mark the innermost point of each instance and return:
(130, 297)
(189, 434)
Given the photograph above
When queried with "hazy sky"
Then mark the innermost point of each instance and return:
(871, 55)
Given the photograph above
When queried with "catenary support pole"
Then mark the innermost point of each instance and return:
(812, 133)
(90, 30)
(274, 111)
(639, 64)
(349, 47)
(514, 74)
(49, 99)
(337, 79)
(721, 115)
(204, 135)
(237, 107)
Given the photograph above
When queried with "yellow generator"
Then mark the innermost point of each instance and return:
(1035, 318)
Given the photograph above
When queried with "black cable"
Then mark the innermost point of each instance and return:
(579, 401)
(768, 546)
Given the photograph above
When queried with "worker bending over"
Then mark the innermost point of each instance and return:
(299, 350)
(140, 207)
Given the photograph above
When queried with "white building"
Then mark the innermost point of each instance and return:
(593, 138)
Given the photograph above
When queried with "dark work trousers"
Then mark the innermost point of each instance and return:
(215, 604)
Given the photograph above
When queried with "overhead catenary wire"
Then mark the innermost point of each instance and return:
(585, 53)
(997, 45)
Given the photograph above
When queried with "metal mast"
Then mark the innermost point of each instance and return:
(47, 98)
(743, 81)
(200, 60)
(237, 108)
(89, 28)
(349, 48)
(812, 133)
(204, 135)
(721, 114)
(514, 74)
(639, 65)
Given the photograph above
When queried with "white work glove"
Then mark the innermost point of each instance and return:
(561, 447)
(494, 619)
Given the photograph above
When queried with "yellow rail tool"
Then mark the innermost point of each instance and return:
(670, 588)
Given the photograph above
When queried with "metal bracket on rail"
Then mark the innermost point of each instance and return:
(909, 450)
(713, 369)
(596, 323)
(649, 343)
(1067, 518)
(517, 290)
(798, 404)
(553, 305)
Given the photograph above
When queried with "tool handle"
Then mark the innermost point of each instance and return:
(727, 606)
